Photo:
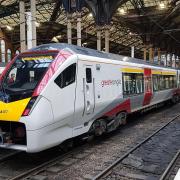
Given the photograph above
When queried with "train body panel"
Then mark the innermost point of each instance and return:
(74, 92)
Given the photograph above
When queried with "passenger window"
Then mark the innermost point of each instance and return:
(133, 83)
(88, 75)
(156, 83)
(67, 77)
(162, 82)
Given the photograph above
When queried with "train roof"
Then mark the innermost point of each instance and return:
(91, 52)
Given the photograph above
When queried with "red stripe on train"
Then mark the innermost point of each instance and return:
(148, 86)
(125, 106)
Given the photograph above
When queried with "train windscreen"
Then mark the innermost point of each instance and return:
(24, 75)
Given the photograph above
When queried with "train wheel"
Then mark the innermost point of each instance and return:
(175, 99)
(122, 117)
(99, 127)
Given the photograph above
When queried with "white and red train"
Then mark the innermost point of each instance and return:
(55, 92)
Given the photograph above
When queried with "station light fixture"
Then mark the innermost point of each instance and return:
(58, 37)
(90, 15)
(162, 5)
(37, 24)
(122, 11)
(54, 39)
(9, 28)
(84, 44)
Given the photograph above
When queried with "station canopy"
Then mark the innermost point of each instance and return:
(138, 23)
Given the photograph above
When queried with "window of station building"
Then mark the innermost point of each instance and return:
(67, 77)
(3, 51)
(9, 55)
(133, 83)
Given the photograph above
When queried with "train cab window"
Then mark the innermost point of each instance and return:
(67, 77)
(88, 75)
(133, 83)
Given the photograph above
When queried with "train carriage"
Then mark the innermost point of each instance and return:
(57, 91)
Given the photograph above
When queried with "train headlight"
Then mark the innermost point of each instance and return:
(29, 106)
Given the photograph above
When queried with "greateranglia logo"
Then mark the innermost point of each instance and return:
(3, 111)
(110, 82)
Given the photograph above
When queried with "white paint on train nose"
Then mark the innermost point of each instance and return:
(177, 177)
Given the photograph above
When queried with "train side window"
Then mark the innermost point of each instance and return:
(139, 83)
(67, 77)
(168, 82)
(162, 82)
(88, 75)
(133, 83)
(155, 82)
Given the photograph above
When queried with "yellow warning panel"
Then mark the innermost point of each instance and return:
(12, 111)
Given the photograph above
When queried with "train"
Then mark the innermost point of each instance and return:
(55, 92)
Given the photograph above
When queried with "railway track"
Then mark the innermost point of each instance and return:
(57, 155)
(58, 164)
(51, 166)
(7, 154)
(172, 169)
(132, 163)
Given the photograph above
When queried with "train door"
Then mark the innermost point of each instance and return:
(88, 83)
(85, 96)
(148, 86)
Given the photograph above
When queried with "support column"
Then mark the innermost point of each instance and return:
(98, 38)
(170, 59)
(22, 26)
(33, 13)
(166, 58)
(132, 51)
(78, 28)
(69, 28)
(151, 54)
(159, 56)
(29, 30)
(175, 65)
(106, 39)
(145, 53)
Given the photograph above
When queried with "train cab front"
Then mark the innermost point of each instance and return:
(21, 85)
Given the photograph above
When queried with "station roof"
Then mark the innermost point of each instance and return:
(131, 23)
